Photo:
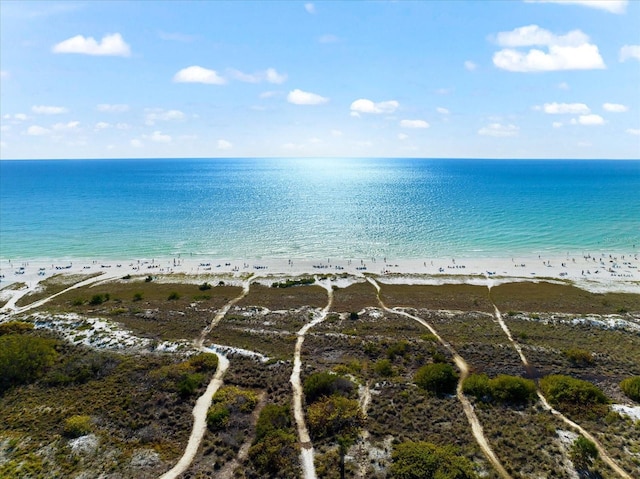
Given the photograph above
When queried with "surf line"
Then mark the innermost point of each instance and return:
(463, 367)
(601, 450)
(306, 446)
(204, 401)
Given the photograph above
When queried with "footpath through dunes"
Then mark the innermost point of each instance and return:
(204, 401)
(306, 447)
(590, 305)
(476, 427)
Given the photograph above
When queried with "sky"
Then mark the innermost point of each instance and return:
(429, 79)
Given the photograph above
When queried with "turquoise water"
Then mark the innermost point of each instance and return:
(308, 208)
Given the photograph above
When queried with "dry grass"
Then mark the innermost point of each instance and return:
(461, 297)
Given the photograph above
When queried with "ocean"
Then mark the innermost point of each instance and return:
(313, 208)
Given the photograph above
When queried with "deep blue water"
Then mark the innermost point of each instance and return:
(308, 208)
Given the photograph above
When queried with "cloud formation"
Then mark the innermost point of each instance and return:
(153, 115)
(571, 51)
(37, 130)
(612, 6)
(310, 8)
(414, 124)
(588, 120)
(299, 97)
(615, 107)
(498, 130)
(470, 66)
(48, 110)
(629, 52)
(116, 108)
(110, 45)
(224, 145)
(565, 108)
(364, 105)
(198, 74)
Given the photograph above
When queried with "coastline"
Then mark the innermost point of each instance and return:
(601, 272)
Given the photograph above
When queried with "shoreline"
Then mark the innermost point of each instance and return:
(601, 272)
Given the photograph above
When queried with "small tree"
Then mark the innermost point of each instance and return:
(583, 452)
(77, 426)
(631, 387)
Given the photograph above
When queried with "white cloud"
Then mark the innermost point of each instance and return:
(498, 130)
(565, 108)
(364, 105)
(310, 8)
(612, 6)
(414, 124)
(72, 125)
(299, 97)
(116, 108)
(336, 133)
(588, 120)
(629, 52)
(4, 74)
(198, 74)
(243, 77)
(136, 143)
(633, 131)
(328, 38)
(402, 136)
(102, 125)
(615, 107)
(268, 94)
(122, 126)
(224, 145)
(36, 130)
(48, 110)
(563, 86)
(557, 124)
(110, 45)
(565, 52)
(158, 114)
(159, 137)
(442, 111)
(469, 65)
(272, 76)
(16, 117)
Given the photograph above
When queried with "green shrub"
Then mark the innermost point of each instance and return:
(204, 362)
(583, 452)
(397, 349)
(217, 416)
(579, 357)
(272, 418)
(137, 296)
(477, 385)
(354, 316)
(23, 359)
(423, 460)
(77, 426)
(276, 454)
(568, 392)
(236, 399)
(383, 368)
(97, 299)
(325, 384)
(204, 286)
(15, 327)
(334, 416)
(189, 384)
(173, 296)
(512, 389)
(631, 387)
(437, 378)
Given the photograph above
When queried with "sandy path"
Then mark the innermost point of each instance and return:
(227, 471)
(10, 308)
(476, 427)
(602, 452)
(204, 401)
(306, 449)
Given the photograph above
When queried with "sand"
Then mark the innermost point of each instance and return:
(602, 272)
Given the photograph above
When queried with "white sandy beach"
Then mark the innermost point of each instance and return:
(594, 272)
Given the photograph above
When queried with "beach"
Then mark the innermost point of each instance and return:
(601, 272)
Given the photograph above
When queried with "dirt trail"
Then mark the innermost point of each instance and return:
(204, 401)
(227, 471)
(361, 449)
(601, 450)
(476, 427)
(306, 449)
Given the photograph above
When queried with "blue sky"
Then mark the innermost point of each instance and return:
(507, 79)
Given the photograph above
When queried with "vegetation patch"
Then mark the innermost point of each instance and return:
(438, 378)
(423, 460)
(631, 387)
(571, 394)
(503, 388)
